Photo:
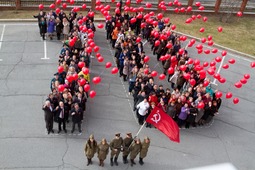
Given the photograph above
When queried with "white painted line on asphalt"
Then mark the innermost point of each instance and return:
(145, 42)
(16, 24)
(1, 39)
(45, 51)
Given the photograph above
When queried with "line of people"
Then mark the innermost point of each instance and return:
(128, 146)
(181, 99)
(68, 95)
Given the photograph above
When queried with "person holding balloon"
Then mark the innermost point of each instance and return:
(39, 16)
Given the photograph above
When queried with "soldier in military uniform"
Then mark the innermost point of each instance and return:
(144, 150)
(90, 149)
(135, 149)
(102, 151)
(126, 143)
(115, 146)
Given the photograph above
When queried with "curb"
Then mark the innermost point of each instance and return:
(189, 36)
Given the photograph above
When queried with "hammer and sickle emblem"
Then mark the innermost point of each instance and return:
(156, 117)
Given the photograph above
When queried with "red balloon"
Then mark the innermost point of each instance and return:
(71, 2)
(85, 70)
(96, 80)
(186, 76)
(173, 58)
(138, 39)
(84, 6)
(199, 51)
(202, 74)
(146, 59)
(210, 71)
(100, 59)
(217, 76)
(189, 8)
(52, 6)
(181, 51)
(61, 88)
(215, 50)
(220, 29)
(166, 20)
(58, 2)
(160, 16)
(170, 70)
(100, 26)
(201, 8)
(41, 7)
(146, 71)
(199, 46)
(60, 69)
(198, 68)
(133, 20)
(108, 65)
(222, 80)
(88, 49)
(154, 73)
(173, 27)
(218, 94)
(235, 100)
(196, 62)
(232, 61)
(169, 45)
(96, 49)
(224, 53)
(114, 70)
(205, 64)
(148, 5)
(206, 83)
(253, 64)
(201, 105)
(210, 43)
(190, 61)
(82, 81)
(199, 16)
(198, 4)
(212, 63)
(218, 59)
(188, 21)
(207, 51)
(86, 87)
(64, 5)
(162, 76)
(92, 44)
(238, 84)
(203, 40)
(157, 42)
(75, 76)
(92, 93)
(243, 81)
(202, 29)
(69, 78)
(225, 66)
(183, 67)
(229, 95)
(81, 64)
(205, 19)
(192, 82)
(239, 13)
(246, 76)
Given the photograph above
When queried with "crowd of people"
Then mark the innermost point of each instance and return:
(188, 103)
(70, 101)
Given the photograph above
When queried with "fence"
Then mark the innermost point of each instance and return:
(213, 6)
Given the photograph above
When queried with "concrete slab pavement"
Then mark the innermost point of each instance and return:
(25, 83)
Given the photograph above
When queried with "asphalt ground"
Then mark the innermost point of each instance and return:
(27, 66)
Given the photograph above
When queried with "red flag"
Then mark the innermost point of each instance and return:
(164, 123)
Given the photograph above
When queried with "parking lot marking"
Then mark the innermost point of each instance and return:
(45, 51)
(1, 39)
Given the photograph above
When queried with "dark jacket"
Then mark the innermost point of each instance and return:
(76, 115)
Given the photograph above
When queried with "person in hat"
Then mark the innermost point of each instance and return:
(90, 149)
(115, 146)
(126, 144)
(144, 150)
(135, 149)
(102, 151)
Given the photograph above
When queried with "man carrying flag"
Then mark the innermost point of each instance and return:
(164, 123)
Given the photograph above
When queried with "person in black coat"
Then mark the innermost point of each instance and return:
(39, 17)
(48, 116)
(61, 113)
(43, 27)
(76, 113)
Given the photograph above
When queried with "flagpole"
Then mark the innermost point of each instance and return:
(137, 133)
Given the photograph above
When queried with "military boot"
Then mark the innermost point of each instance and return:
(115, 161)
(111, 161)
(141, 161)
(88, 162)
(132, 162)
(126, 159)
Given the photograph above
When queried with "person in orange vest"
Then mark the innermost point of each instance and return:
(114, 36)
